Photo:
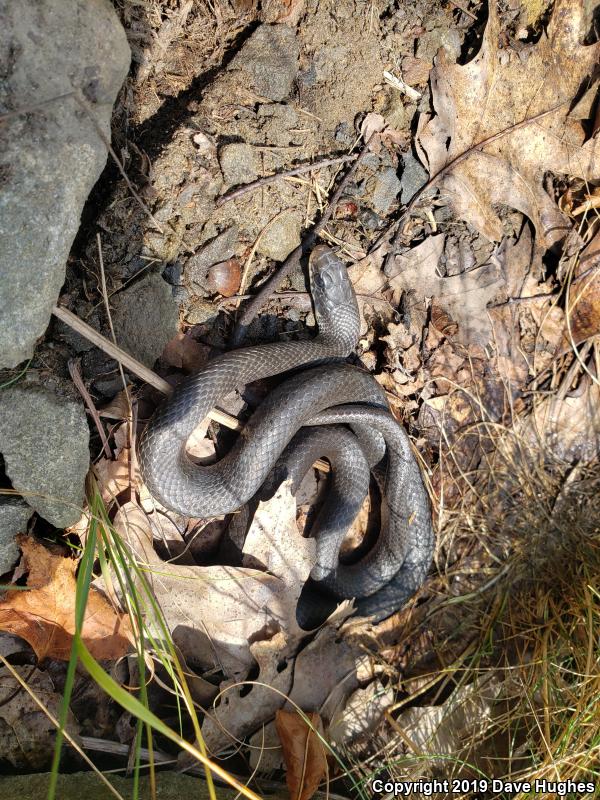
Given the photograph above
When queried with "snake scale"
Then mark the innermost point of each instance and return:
(332, 410)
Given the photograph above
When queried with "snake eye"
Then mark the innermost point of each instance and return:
(326, 279)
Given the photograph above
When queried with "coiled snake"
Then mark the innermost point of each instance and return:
(349, 422)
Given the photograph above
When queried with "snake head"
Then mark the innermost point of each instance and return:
(330, 284)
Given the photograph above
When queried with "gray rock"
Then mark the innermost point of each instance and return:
(414, 176)
(270, 60)
(50, 158)
(239, 164)
(14, 516)
(145, 317)
(280, 238)
(44, 439)
(386, 190)
(218, 249)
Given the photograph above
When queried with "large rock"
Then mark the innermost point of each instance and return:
(14, 516)
(145, 317)
(44, 439)
(268, 61)
(50, 156)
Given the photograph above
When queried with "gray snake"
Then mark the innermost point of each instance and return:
(363, 439)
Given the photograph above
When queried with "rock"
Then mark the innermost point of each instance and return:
(282, 236)
(217, 250)
(414, 176)
(430, 42)
(269, 59)
(14, 516)
(51, 157)
(44, 439)
(386, 190)
(239, 164)
(145, 317)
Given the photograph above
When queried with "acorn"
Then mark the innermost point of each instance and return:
(225, 277)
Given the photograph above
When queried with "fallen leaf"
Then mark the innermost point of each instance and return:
(244, 707)
(464, 297)
(44, 614)
(497, 89)
(584, 296)
(441, 730)
(215, 612)
(303, 752)
(287, 12)
(361, 715)
(183, 352)
(28, 736)
(569, 426)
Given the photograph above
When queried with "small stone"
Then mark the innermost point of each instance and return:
(413, 177)
(240, 163)
(44, 439)
(219, 249)
(270, 60)
(387, 188)
(145, 317)
(14, 516)
(282, 236)
(430, 42)
(200, 311)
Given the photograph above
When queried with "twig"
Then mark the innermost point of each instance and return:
(117, 161)
(463, 9)
(393, 231)
(265, 181)
(291, 262)
(33, 107)
(77, 380)
(132, 364)
(109, 316)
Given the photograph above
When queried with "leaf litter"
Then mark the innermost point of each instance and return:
(475, 353)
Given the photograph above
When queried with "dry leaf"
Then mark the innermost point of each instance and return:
(584, 295)
(464, 297)
(45, 615)
(439, 730)
(500, 88)
(28, 736)
(183, 352)
(215, 612)
(361, 715)
(243, 708)
(303, 752)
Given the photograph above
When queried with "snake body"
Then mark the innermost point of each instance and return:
(324, 398)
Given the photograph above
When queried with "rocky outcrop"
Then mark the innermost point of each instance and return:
(62, 64)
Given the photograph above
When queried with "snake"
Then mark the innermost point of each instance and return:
(328, 409)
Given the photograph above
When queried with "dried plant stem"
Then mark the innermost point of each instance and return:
(132, 364)
(265, 181)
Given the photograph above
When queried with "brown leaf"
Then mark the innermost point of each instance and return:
(463, 297)
(45, 615)
(183, 352)
(584, 296)
(501, 88)
(303, 752)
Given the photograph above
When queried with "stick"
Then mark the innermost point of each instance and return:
(132, 364)
(260, 182)
(147, 375)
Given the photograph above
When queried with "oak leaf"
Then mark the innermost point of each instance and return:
(501, 88)
(44, 613)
